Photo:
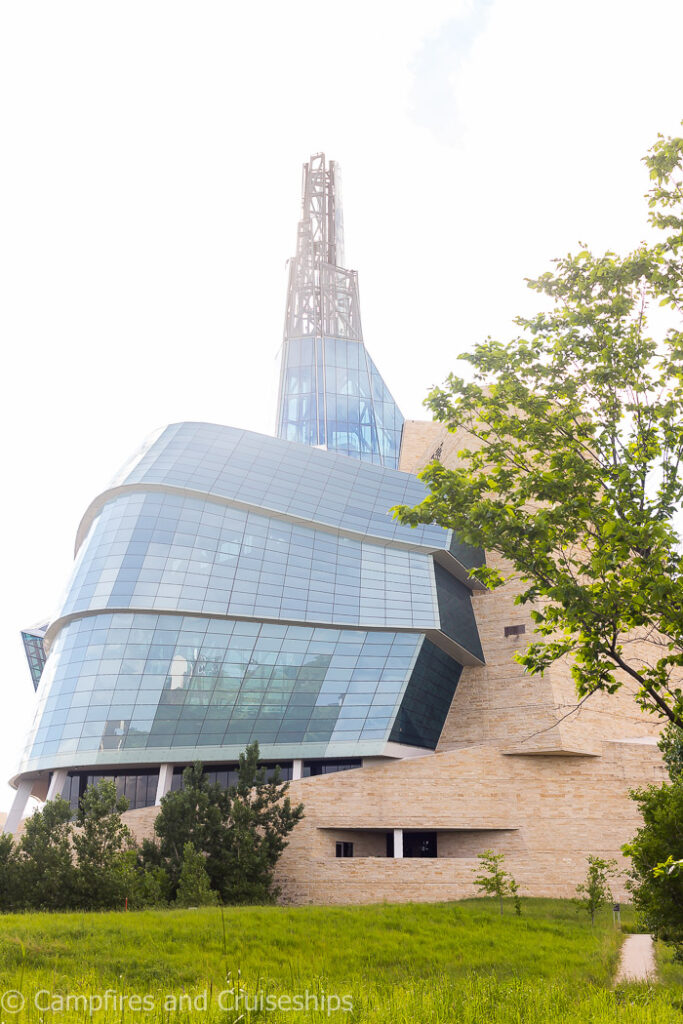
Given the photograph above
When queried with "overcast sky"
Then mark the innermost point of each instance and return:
(150, 189)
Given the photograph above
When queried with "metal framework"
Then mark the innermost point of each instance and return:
(331, 394)
(322, 296)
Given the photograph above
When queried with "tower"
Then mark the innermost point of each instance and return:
(331, 393)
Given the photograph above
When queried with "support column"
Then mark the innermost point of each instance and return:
(57, 784)
(164, 783)
(297, 768)
(18, 807)
(398, 843)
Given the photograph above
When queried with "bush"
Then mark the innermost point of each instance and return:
(241, 832)
(595, 892)
(658, 895)
(495, 881)
(45, 875)
(104, 850)
(194, 887)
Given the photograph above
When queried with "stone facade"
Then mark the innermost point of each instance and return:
(520, 768)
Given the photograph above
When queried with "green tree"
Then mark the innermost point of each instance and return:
(671, 745)
(655, 882)
(8, 874)
(595, 892)
(575, 469)
(495, 881)
(151, 887)
(45, 873)
(516, 896)
(194, 885)
(198, 813)
(103, 845)
(261, 818)
(241, 831)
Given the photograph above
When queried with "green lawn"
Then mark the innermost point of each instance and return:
(394, 963)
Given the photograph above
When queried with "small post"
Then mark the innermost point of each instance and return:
(616, 914)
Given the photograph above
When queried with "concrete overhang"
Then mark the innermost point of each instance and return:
(421, 827)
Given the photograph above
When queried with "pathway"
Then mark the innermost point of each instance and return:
(637, 959)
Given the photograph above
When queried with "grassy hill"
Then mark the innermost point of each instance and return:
(386, 963)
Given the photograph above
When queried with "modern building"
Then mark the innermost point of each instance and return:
(331, 393)
(231, 586)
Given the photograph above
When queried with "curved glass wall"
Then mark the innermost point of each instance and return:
(285, 479)
(334, 395)
(123, 683)
(164, 551)
(204, 613)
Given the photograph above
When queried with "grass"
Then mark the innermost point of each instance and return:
(670, 973)
(394, 963)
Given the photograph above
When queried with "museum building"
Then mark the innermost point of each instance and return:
(230, 586)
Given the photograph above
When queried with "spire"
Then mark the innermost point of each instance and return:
(331, 393)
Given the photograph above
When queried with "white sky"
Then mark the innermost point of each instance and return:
(149, 194)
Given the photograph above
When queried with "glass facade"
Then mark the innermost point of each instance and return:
(162, 683)
(169, 552)
(288, 480)
(225, 775)
(427, 698)
(333, 395)
(139, 787)
(34, 648)
(227, 590)
(327, 767)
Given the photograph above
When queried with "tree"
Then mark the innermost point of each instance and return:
(575, 471)
(194, 886)
(516, 895)
(595, 892)
(656, 852)
(45, 875)
(241, 832)
(655, 881)
(149, 885)
(671, 745)
(495, 881)
(152, 885)
(198, 814)
(103, 846)
(8, 880)
(261, 817)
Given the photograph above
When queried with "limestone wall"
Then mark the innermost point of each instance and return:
(546, 813)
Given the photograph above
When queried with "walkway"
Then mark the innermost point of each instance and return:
(637, 959)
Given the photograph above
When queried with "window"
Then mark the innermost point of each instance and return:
(226, 775)
(326, 767)
(514, 630)
(344, 849)
(138, 787)
(419, 844)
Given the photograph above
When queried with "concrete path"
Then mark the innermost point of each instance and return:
(637, 959)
